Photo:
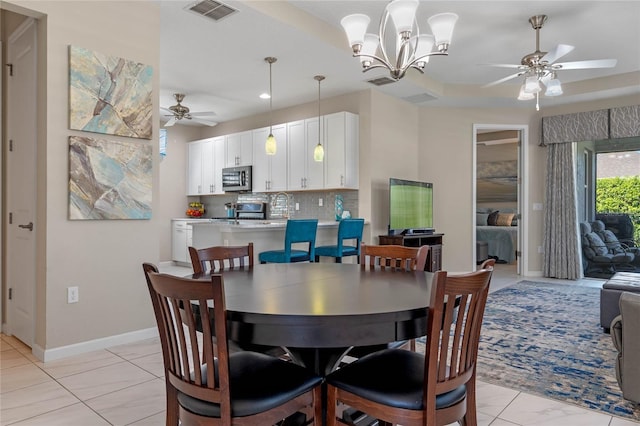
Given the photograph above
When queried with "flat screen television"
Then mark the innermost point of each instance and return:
(410, 207)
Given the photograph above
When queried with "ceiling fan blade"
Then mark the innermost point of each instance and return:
(558, 52)
(171, 122)
(503, 66)
(205, 122)
(595, 63)
(202, 114)
(502, 80)
(166, 110)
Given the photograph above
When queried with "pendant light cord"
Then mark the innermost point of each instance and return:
(270, 100)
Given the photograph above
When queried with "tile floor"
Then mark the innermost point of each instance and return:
(124, 385)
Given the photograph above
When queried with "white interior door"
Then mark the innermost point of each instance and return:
(21, 181)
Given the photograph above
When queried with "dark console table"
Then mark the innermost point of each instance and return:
(434, 241)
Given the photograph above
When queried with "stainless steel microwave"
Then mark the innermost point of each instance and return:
(236, 179)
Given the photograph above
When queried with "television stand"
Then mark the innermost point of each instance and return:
(434, 241)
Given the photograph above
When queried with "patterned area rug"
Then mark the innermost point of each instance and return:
(546, 339)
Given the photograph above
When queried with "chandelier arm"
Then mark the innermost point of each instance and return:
(381, 60)
(381, 33)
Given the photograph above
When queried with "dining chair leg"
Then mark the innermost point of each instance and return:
(172, 405)
(338, 260)
(331, 406)
(470, 416)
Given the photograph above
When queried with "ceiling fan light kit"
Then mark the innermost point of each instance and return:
(540, 68)
(413, 49)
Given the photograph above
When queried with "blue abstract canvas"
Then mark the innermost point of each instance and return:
(109, 95)
(109, 179)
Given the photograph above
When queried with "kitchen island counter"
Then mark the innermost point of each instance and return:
(264, 234)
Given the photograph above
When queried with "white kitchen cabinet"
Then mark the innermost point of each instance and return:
(341, 150)
(181, 239)
(194, 171)
(239, 149)
(269, 172)
(205, 162)
(304, 172)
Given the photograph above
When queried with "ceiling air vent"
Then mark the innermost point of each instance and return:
(211, 9)
(420, 98)
(381, 81)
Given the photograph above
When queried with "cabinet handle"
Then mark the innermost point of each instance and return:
(305, 182)
(341, 180)
(199, 189)
(237, 161)
(301, 182)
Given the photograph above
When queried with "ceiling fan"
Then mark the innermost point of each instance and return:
(180, 112)
(541, 67)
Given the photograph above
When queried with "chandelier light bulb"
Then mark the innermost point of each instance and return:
(369, 49)
(524, 96)
(423, 45)
(403, 13)
(356, 27)
(442, 26)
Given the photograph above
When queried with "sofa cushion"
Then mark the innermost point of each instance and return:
(596, 244)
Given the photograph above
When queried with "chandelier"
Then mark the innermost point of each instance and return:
(412, 49)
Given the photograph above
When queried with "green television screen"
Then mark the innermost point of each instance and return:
(410, 205)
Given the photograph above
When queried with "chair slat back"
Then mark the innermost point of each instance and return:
(488, 264)
(455, 318)
(219, 258)
(187, 352)
(394, 257)
(350, 229)
(300, 231)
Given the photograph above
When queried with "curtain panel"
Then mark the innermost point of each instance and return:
(562, 257)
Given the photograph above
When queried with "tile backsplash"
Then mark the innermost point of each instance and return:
(277, 206)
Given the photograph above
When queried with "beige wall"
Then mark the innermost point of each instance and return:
(102, 258)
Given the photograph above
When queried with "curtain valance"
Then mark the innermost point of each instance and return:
(620, 122)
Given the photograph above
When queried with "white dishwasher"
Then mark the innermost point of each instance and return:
(181, 239)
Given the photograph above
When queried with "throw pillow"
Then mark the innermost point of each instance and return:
(491, 220)
(504, 219)
(481, 219)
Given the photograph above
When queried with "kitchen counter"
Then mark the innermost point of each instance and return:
(264, 234)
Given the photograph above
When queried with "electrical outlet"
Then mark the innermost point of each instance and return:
(319, 202)
(72, 295)
(297, 206)
(537, 206)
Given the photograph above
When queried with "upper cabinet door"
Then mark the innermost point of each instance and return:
(341, 150)
(296, 143)
(314, 178)
(218, 163)
(278, 162)
(208, 167)
(194, 171)
(239, 149)
(260, 169)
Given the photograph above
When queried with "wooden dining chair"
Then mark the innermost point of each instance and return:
(390, 258)
(244, 388)
(219, 258)
(409, 388)
(488, 264)
(393, 257)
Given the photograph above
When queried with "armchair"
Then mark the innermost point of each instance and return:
(612, 242)
(596, 253)
(624, 332)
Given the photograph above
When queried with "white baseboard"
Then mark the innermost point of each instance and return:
(47, 355)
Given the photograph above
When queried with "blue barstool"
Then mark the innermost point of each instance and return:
(349, 229)
(298, 231)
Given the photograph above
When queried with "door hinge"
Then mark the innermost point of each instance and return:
(518, 253)
(10, 218)
(10, 293)
(10, 70)
(10, 145)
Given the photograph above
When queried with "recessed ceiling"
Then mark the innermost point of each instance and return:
(220, 64)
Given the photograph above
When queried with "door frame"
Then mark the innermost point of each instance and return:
(523, 193)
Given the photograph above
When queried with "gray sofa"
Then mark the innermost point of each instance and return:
(625, 330)
(610, 295)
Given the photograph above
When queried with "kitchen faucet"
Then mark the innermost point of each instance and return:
(274, 202)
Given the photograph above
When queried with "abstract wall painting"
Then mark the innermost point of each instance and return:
(109, 95)
(109, 179)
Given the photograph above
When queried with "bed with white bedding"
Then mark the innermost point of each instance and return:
(502, 241)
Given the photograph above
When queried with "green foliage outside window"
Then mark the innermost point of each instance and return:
(620, 195)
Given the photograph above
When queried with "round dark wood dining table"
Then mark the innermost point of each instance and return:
(319, 310)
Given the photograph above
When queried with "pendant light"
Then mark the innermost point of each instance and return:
(270, 145)
(318, 152)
